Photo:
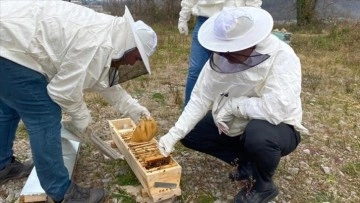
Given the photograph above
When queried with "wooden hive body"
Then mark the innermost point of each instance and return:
(136, 155)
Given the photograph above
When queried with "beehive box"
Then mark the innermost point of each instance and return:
(137, 154)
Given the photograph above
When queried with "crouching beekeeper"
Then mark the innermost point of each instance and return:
(245, 108)
(50, 53)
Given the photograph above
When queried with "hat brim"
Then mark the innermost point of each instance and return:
(138, 43)
(263, 24)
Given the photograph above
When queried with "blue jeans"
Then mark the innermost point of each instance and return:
(261, 145)
(23, 95)
(198, 57)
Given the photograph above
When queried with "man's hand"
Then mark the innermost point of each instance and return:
(233, 107)
(138, 112)
(224, 116)
(183, 27)
(82, 134)
(89, 137)
(166, 144)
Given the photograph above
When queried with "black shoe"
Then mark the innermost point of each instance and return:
(77, 194)
(253, 196)
(16, 170)
(241, 173)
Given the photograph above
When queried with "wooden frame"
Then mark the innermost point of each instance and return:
(136, 155)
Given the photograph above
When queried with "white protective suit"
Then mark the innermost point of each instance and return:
(72, 46)
(269, 91)
(207, 8)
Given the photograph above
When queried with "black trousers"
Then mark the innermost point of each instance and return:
(261, 145)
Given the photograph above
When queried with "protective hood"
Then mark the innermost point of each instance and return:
(141, 36)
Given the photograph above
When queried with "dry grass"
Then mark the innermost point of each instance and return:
(324, 168)
(331, 102)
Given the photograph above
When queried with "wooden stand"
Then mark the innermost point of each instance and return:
(154, 171)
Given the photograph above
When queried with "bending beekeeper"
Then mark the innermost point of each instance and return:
(51, 52)
(245, 108)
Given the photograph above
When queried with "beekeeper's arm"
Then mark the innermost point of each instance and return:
(185, 15)
(253, 3)
(82, 58)
(278, 98)
(124, 103)
(197, 107)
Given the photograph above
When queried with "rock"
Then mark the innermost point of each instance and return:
(293, 171)
(289, 178)
(326, 169)
(304, 165)
(309, 181)
(306, 151)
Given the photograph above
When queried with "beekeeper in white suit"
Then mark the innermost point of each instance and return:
(202, 10)
(245, 108)
(51, 52)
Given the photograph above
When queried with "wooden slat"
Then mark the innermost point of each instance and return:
(138, 154)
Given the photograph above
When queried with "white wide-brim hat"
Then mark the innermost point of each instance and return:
(235, 28)
(145, 38)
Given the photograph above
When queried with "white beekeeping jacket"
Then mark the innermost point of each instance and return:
(269, 91)
(71, 45)
(207, 8)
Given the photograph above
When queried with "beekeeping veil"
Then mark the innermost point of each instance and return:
(145, 39)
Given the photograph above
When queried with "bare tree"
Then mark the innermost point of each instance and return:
(305, 11)
(148, 10)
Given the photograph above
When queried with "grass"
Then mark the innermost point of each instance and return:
(21, 131)
(352, 169)
(331, 78)
(331, 104)
(123, 197)
(206, 198)
(323, 197)
(127, 177)
(158, 97)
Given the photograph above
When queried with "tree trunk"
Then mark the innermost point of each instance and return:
(305, 11)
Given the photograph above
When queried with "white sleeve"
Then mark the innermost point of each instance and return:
(79, 68)
(124, 103)
(254, 3)
(280, 95)
(185, 12)
(66, 87)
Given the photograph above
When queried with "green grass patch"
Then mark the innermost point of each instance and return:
(352, 169)
(205, 198)
(322, 196)
(22, 131)
(158, 97)
(123, 175)
(127, 178)
(123, 197)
